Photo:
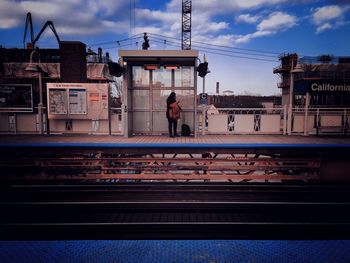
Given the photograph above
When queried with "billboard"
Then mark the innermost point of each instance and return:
(16, 98)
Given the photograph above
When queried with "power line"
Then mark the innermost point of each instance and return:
(222, 46)
(124, 45)
(222, 54)
(221, 50)
(116, 41)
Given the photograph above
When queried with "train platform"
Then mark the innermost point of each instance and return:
(247, 140)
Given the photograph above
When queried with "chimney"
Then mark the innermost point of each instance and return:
(73, 62)
(217, 88)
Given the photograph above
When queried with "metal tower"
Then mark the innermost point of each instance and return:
(186, 24)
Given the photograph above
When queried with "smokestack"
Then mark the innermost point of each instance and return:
(217, 88)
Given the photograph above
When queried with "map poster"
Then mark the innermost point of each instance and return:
(77, 101)
(16, 98)
(58, 101)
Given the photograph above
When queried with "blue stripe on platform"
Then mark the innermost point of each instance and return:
(174, 145)
(187, 251)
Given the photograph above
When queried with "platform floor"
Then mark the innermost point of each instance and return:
(203, 251)
(208, 139)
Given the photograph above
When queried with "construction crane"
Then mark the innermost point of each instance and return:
(186, 24)
(34, 40)
(28, 23)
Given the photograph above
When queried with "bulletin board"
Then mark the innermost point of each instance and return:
(78, 100)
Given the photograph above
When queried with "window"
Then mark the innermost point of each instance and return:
(159, 99)
(140, 99)
(161, 78)
(140, 77)
(184, 77)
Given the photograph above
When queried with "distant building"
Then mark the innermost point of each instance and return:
(243, 101)
(227, 93)
(19, 86)
(325, 78)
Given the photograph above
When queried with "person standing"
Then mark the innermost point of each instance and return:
(171, 115)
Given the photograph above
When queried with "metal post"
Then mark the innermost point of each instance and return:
(285, 120)
(290, 108)
(306, 121)
(203, 110)
(109, 110)
(40, 105)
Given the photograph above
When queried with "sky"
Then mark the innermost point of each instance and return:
(241, 39)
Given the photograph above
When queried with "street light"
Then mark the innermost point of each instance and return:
(298, 69)
(35, 68)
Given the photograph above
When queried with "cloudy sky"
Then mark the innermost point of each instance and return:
(240, 38)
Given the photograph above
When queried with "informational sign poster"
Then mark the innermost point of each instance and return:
(77, 101)
(16, 98)
(58, 101)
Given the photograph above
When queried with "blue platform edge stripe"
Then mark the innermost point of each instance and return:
(174, 145)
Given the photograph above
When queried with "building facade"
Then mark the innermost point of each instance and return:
(325, 78)
(24, 98)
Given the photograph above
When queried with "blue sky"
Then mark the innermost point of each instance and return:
(278, 26)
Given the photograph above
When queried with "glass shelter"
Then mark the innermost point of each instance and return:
(150, 77)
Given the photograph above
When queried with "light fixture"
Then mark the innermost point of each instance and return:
(170, 67)
(32, 67)
(151, 66)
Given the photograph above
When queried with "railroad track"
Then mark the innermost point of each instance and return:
(175, 211)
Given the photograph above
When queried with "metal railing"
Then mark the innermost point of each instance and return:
(245, 121)
(274, 121)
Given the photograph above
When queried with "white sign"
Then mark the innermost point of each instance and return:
(77, 101)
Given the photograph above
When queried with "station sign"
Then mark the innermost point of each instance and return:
(203, 98)
(16, 98)
(321, 86)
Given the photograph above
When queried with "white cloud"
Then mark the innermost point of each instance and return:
(326, 13)
(9, 14)
(329, 17)
(276, 22)
(70, 17)
(156, 15)
(247, 18)
(223, 40)
(227, 6)
(248, 37)
(6, 23)
(323, 27)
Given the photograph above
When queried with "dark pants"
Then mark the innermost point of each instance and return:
(172, 126)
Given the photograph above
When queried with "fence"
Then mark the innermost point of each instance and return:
(274, 121)
(314, 121)
(245, 121)
(28, 123)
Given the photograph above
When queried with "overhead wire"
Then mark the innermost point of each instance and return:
(216, 49)
(222, 54)
(200, 47)
(222, 46)
(116, 41)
